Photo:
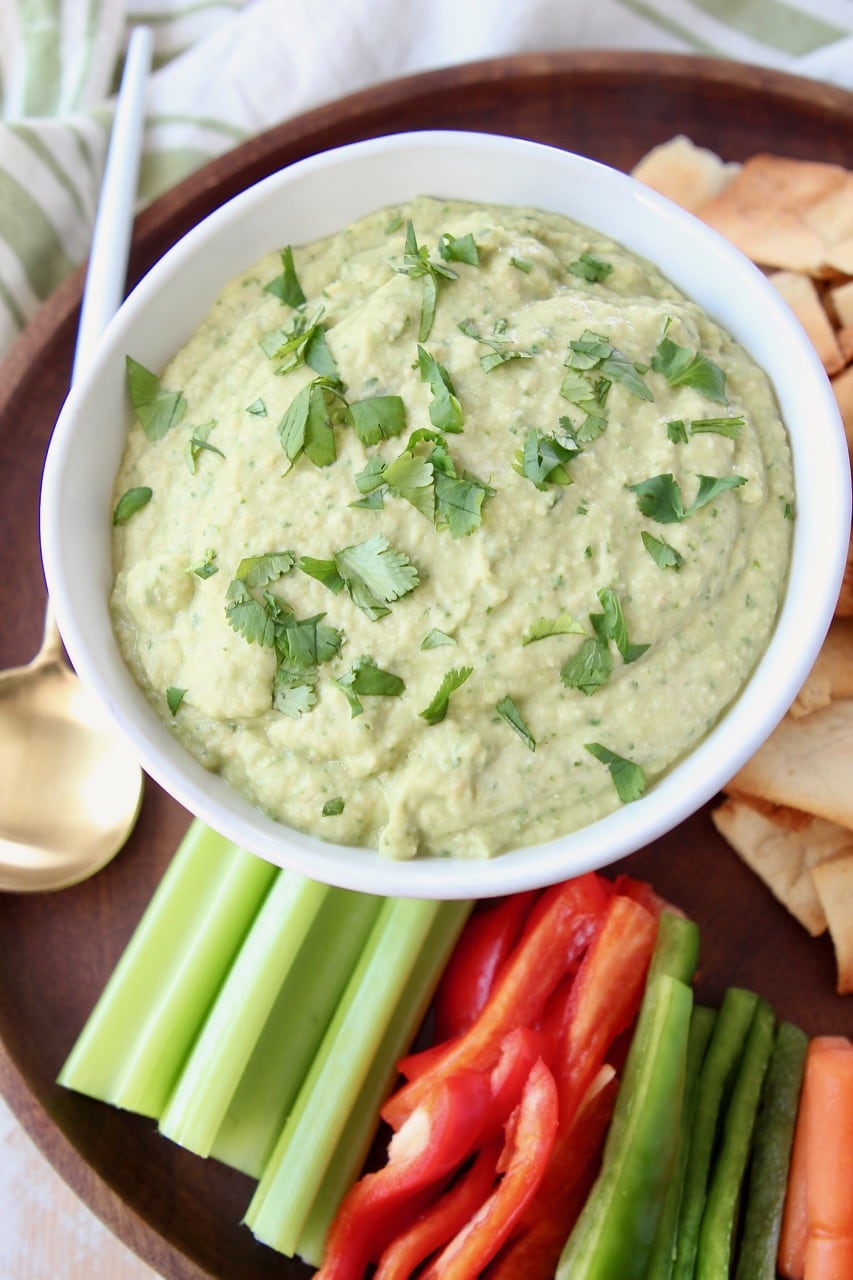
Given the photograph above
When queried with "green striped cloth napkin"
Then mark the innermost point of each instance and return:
(226, 69)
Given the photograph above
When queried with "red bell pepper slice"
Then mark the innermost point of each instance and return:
(484, 945)
(602, 1002)
(442, 1220)
(558, 930)
(438, 1136)
(530, 1137)
(534, 1249)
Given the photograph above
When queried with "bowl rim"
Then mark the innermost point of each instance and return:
(693, 781)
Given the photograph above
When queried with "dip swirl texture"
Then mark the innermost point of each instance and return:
(464, 528)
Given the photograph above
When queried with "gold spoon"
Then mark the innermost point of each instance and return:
(70, 787)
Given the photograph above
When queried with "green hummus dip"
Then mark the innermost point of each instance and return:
(450, 533)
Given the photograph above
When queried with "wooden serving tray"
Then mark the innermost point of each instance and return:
(179, 1213)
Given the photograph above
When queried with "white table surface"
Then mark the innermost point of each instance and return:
(46, 1232)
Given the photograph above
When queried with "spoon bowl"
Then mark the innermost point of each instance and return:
(71, 789)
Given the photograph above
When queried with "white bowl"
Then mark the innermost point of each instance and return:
(318, 196)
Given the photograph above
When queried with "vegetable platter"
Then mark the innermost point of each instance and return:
(180, 1213)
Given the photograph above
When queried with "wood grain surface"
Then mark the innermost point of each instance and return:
(178, 1213)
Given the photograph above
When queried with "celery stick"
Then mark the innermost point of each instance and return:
(283, 1052)
(363, 1122)
(310, 1139)
(224, 1045)
(137, 1038)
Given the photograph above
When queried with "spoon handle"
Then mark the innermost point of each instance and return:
(107, 270)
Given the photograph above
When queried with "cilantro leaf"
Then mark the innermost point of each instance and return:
(628, 778)
(458, 499)
(257, 408)
(500, 353)
(174, 698)
(445, 411)
(198, 442)
(610, 625)
(664, 556)
(286, 286)
(156, 408)
(589, 668)
(131, 501)
(563, 625)
(378, 418)
(683, 367)
(259, 571)
(435, 639)
(659, 498)
(710, 487)
(463, 249)
(543, 460)
(677, 431)
(308, 422)
(435, 712)
(207, 567)
(589, 266)
(729, 427)
(333, 807)
(306, 642)
(303, 343)
(509, 712)
(247, 616)
(418, 265)
(373, 572)
(365, 679)
(294, 692)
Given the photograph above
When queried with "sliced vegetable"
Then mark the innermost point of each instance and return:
(771, 1156)
(829, 1159)
(469, 977)
(530, 1136)
(558, 930)
(716, 1244)
(718, 1071)
(138, 1036)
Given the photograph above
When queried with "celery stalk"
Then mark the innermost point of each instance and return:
(224, 1044)
(137, 1038)
(311, 1139)
(285, 1048)
(363, 1122)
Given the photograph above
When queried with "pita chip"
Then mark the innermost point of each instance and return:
(840, 300)
(788, 214)
(807, 762)
(801, 295)
(783, 856)
(831, 677)
(685, 173)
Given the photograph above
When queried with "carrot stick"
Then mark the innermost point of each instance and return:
(829, 1161)
(794, 1233)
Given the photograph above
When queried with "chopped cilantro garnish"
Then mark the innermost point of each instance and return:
(563, 625)
(257, 408)
(207, 567)
(445, 411)
(435, 639)
(589, 266)
(419, 266)
(131, 501)
(683, 367)
(628, 778)
(365, 679)
(730, 427)
(610, 625)
(543, 460)
(199, 442)
(461, 249)
(458, 498)
(521, 264)
(660, 498)
(589, 668)
(408, 476)
(437, 709)
(500, 352)
(294, 692)
(373, 572)
(508, 711)
(286, 286)
(676, 431)
(174, 698)
(260, 571)
(332, 808)
(308, 422)
(378, 418)
(664, 556)
(303, 343)
(593, 352)
(156, 408)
